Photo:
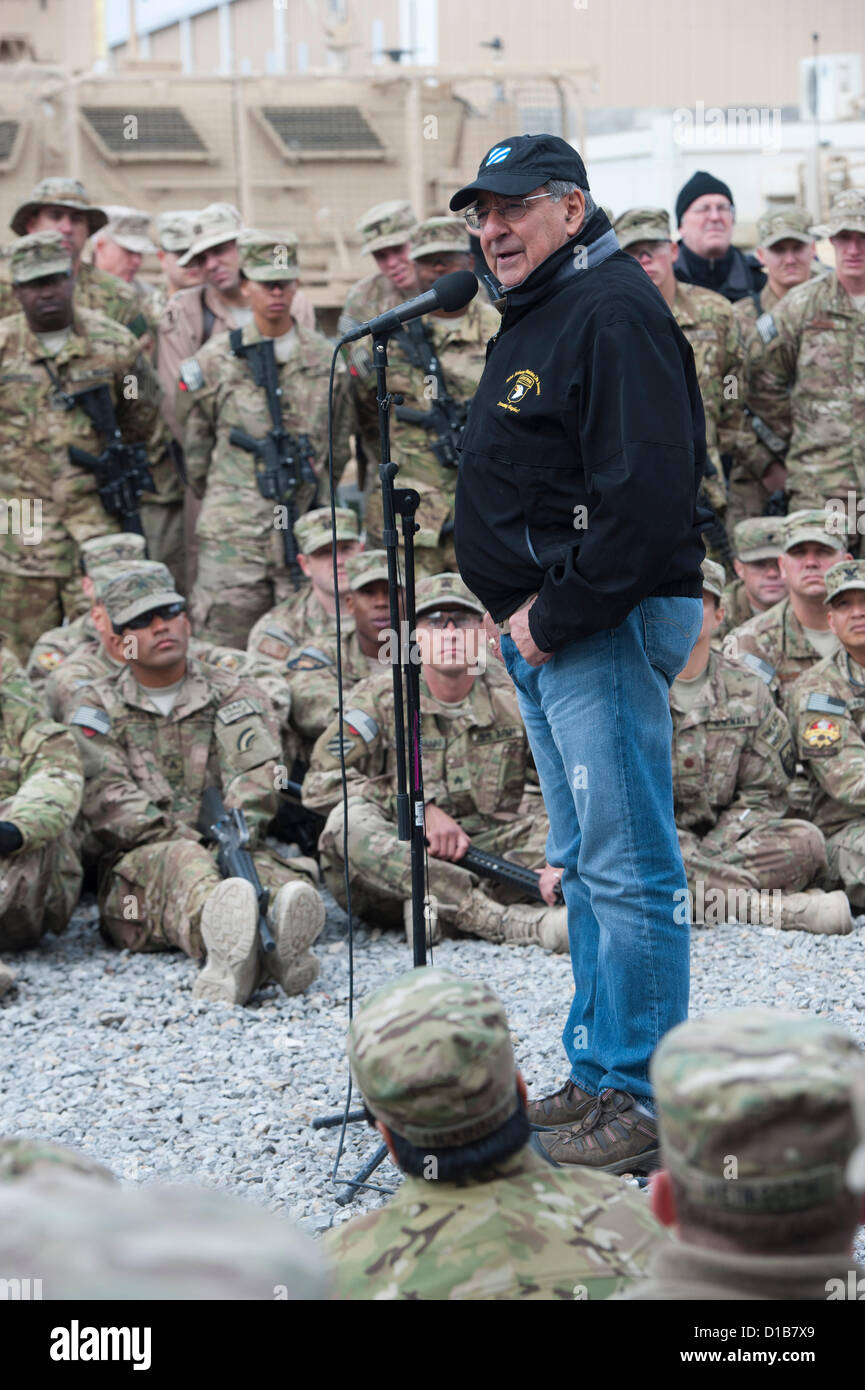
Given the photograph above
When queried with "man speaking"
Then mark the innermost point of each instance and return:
(577, 526)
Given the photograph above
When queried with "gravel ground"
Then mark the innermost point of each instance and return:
(108, 1052)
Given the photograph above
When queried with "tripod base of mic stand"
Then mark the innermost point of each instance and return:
(354, 1185)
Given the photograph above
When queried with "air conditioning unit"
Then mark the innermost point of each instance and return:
(830, 86)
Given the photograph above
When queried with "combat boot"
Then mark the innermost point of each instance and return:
(539, 926)
(826, 914)
(7, 978)
(296, 919)
(229, 929)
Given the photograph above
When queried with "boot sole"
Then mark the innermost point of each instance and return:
(229, 926)
(643, 1163)
(296, 922)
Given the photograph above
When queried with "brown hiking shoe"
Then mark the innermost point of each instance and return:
(613, 1137)
(564, 1107)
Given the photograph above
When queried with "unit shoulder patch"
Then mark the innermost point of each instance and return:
(308, 659)
(92, 721)
(48, 660)
(230, 713)
(825, 704)
(821, 733)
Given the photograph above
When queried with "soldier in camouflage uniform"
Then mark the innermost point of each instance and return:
(435, 364)
(384, 231)
(479, 1216)
(793, 635)
(119, 248)
(760, 585)
(786, 249)
(62, 1213)
(152, 740)
(310, 668)
(310, 614)
(62, 205)
(241, 565)
(827, 714)
(708, 322)
(174, 236)
(476, 761)
(96, 555)
(805, 374)
(764, 1159)
(732, 762)
(40, 793)
(48, 353)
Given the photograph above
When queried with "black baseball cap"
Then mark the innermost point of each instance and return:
(521, 163)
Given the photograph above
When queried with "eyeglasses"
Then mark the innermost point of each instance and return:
(440, 617)
(711, 209)
(511, 211)
(168, 610)
(648, 253)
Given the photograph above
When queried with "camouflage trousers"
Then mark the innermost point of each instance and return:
(38, 892)
(845, 851)
(151, 899)
(784, 853)
(32, 605)
(380, 863)
(162, 524)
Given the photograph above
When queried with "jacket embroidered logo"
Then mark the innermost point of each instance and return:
(523, 383)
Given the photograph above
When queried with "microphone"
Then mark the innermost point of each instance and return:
(449, 292)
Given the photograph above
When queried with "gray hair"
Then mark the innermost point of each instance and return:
(560, 188)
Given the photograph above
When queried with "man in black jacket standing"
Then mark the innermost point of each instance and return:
(707, 257)
(577, 526)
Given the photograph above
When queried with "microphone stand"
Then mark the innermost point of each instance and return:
(407, 718)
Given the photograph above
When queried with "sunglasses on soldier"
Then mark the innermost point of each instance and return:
(168, 610)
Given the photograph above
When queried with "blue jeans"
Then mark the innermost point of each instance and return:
(598, 720)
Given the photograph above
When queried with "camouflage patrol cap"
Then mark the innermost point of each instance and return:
(103, 576)
(62, 193)
(268, 257)
(642, 224)
(366, 568)
(714, 578)
(174, 230)
(387, 224)
(446, 234)
(431, 1053)
(103, 550)
(39, 255)
(847, 214)
(810, 526)
(213, 225)
(756, 1109)
(784, 224)
(850, 574)
(133, 593)
(313, 532)
(758, 538)
(130, 228)
(435, 590)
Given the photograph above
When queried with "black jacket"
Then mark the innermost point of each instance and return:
(589, 400)
(735, 275)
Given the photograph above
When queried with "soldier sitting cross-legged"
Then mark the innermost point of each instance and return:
(153, 738)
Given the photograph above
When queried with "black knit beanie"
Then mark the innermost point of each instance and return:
(697, 185)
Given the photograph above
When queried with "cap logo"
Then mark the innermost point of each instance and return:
(498, 154)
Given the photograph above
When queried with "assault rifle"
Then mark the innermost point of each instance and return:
(283, 461)
(228, 829)
(446, 419)
(122, 470)
(480, 861)
(777, 503)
